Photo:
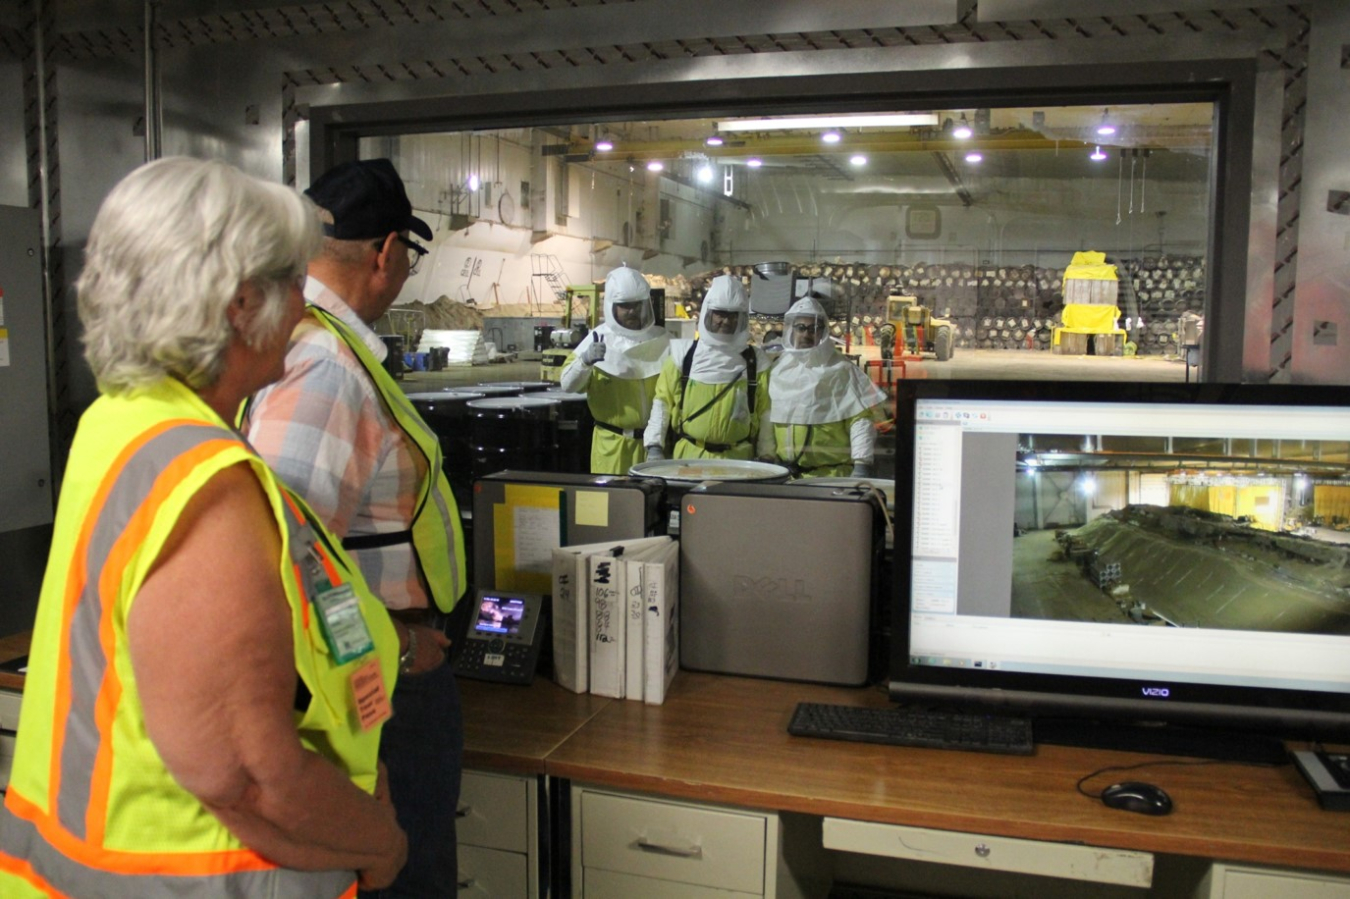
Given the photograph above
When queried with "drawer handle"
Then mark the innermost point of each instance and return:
(690, 851)
(463, 811)
(465, 884)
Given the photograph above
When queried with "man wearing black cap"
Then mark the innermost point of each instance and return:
(341, 433)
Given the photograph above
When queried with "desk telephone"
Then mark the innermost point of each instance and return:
(504, 637)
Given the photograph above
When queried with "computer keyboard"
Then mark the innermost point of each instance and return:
(903, 726)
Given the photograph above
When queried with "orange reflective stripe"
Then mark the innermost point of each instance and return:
(77, 577)
(184, 864)
(24, 871)
(110, 580)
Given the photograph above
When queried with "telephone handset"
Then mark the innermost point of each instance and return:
(504, 637)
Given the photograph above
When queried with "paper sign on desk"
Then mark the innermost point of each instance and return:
(526, 529)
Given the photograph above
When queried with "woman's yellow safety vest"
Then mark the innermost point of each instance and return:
(91, 809)
(436, 534)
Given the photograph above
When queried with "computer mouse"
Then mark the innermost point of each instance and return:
(1134, 796)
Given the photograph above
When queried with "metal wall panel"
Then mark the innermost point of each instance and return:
(25, 476)
(1013, 10)
(13, 159)
(227, 65)
(1257, 363)
(1321, 311)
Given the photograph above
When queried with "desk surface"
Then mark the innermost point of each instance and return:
(724, 739)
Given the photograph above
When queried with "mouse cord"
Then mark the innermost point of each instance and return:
(1114, 768)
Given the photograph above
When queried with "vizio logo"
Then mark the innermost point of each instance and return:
(1157, 692)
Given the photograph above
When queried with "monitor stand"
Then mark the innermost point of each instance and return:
(1163, 739)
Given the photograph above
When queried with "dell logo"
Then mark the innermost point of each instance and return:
(1160, 692)
(766, 589)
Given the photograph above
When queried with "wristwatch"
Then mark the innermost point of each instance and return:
(405, 661)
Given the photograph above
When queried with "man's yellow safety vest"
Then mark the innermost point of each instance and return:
(436, 534)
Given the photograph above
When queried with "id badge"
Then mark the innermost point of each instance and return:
(344, 628)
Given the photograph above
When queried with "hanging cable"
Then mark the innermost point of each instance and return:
(1120, 183)
(1133, 159)
(1143, 181)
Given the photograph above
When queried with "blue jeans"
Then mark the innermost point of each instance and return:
(423, 748)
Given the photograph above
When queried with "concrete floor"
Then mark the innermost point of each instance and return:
(996, 365)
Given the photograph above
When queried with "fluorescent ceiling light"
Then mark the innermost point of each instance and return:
(714, 140)
(754, 162)
(781, 123)
(655, 166)
(859, 160)
(974, 157)
(705, 174)
(1097, 155)
(831, 137)
(604, 145)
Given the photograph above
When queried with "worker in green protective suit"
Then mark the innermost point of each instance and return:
(616, 366)
(825, 409)
(712, 399)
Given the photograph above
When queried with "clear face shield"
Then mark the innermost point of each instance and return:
(725, 322)
(632, 315)
(802, 332)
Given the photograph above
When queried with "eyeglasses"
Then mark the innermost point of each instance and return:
(415, 252)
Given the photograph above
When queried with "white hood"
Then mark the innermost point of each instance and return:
(817, 385)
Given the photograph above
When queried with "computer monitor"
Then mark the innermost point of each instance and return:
(1097, 554)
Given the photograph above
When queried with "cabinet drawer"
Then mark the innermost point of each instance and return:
(670, 841)
(494, 811)
(973, 850)
(491, 872)
(613, 885)
(10, 703)
(1240, 882)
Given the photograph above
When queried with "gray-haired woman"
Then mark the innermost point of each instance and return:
(209, 673)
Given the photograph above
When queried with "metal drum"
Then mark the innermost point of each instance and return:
(516, 432)
(575, 427)
(681, 475)
(528, 386)
(447, 413)
(495, 389)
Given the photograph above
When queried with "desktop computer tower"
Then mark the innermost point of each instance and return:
(782, 581)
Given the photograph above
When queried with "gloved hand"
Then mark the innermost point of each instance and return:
(655, 454)
(595, 352)
(861, 470)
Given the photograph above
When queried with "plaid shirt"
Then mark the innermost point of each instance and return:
(325, 430)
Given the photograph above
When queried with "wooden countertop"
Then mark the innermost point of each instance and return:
(515, 728)
(12, 647)
(724, 739)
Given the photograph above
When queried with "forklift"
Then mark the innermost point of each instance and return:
(564, 339)
(915, 331)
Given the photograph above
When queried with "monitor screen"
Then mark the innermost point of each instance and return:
(499, 614)
(1148, 551)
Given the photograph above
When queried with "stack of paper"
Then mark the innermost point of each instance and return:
(466, 347)
(615, 617)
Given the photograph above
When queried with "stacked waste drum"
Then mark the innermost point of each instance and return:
(997, 307)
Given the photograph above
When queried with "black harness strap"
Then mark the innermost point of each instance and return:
(752, 382)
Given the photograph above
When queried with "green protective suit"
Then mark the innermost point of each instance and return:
(818, 451)
(729, 421)
(624, 403)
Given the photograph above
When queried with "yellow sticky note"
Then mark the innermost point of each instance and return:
(593, 508)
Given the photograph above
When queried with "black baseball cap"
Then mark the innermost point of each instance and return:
(367, 200)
